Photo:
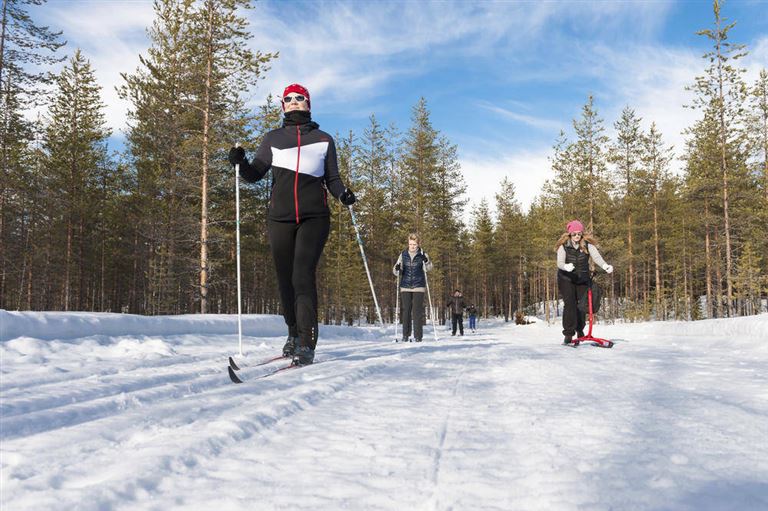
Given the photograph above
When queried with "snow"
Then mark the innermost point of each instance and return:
(121, 412)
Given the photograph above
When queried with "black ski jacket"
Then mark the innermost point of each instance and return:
(456, 303)
(304, 168)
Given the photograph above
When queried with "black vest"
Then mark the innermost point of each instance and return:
(580, 261)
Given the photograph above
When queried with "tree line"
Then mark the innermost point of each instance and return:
(150, 230)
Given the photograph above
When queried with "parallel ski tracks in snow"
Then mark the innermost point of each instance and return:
(104, 395)
(254, 413)
(435, 498)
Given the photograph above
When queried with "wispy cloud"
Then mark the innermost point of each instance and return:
(529, 120)
(344, 49)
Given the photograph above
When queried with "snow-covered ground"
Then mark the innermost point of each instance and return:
(119, 412)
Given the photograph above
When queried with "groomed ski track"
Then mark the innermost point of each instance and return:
(505, 418)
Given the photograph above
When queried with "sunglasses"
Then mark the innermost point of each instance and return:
(299, 98)
(576, 234)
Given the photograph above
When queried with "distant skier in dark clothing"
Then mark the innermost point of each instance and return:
(574, 249)
(304, 169)
(411, 266)
(472, 313)
(457, 306)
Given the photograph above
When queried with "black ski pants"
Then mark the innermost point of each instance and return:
(457, 319)
(412, 304)
(570, 290)
(296, 250)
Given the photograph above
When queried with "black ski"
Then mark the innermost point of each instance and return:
(235, 367)
(233, 376)
(236, 379)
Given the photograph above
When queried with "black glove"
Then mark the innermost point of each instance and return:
(347, 197)
(237, 156)
(426, 259)
(397, 267)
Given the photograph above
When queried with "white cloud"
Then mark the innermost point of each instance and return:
(526, 169)
(111, 36)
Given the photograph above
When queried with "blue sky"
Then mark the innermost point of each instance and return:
(500, 78)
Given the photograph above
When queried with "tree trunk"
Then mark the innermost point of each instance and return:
(204, 177)
(718, 275)
(724, 169)
(630, 261)
(659, 287)
(708, 271)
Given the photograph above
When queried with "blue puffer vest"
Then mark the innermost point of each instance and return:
(413, 270)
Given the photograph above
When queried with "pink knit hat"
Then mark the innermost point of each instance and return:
(574, 226)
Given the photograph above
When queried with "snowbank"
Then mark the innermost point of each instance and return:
(72, 325)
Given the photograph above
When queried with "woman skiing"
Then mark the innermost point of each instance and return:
(574, 248)
(410, 267)
(304, 169)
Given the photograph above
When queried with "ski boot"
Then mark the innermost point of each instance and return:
(289, 348)
(303, 356)
(568, 339)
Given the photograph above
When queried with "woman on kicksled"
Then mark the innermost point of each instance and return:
(574, 248)
(304, 169)
(411, 266)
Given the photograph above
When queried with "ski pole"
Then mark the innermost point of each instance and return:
(431, 310)
(237, 237)
(365, 263)
(397, 304)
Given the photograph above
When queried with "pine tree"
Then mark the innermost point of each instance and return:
(625, 154)
(157, 131)
(76, 151)
(224, 65)
(655, 176)
(186, 112)
(759, 128)
(723, 89)
(589, 153)
(701, 189)
(482, 251)
(420, 158)
(561, 188)
(27, 50)
(378, 220)
(509, 250)
(749, 281)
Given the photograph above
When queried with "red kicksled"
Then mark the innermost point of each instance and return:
(600, 343)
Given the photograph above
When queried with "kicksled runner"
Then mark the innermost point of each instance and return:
(589, 338)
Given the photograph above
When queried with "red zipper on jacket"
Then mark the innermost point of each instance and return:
(296, 180)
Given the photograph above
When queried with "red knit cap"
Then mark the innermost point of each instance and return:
(299, 89)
